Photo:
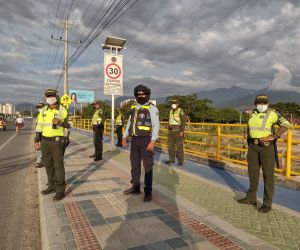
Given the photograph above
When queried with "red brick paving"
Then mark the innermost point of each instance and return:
(83, 234)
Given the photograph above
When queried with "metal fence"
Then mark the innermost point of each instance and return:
(224, 142)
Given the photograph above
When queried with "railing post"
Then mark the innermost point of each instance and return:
(288, 152)
(218, 142)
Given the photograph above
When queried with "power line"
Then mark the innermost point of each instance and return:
(50, 44)
(109, 17)
(58, 46)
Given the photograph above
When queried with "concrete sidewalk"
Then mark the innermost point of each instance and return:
(187, 211)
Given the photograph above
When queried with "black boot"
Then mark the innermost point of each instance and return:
(246, 201)
(48, 191)
(59, 196)
(264, 209)
(147, 197)
(132, 190)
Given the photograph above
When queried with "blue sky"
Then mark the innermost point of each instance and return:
(174, 46)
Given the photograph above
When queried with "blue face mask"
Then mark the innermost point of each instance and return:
(262, 108)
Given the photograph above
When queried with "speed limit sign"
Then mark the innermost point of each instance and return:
(113, 74)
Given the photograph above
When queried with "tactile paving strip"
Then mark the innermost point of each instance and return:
(83, 234)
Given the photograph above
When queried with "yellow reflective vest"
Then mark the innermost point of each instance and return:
(97, 117)
(44, 121)
(174, 116)
(140, 121)
(261, 124)
(119, 120)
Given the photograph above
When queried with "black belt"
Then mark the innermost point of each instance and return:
(257, 141)
(54, 138)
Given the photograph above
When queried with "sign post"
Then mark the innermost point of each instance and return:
(113, 75)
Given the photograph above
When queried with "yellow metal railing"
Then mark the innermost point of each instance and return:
(223, 142)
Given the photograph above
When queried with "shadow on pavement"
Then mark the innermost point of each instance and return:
(151, 227)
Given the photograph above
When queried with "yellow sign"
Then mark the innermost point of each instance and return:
(65, 100)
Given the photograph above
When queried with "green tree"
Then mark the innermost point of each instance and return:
(228, 115)
(287, 109)
(88, 111)
(125, 109)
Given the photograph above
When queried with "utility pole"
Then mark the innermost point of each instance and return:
(66, 41)
(66, 83)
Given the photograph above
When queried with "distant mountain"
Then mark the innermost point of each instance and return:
(240, 98)
(223, 95)
(273, 95)
(25, 106)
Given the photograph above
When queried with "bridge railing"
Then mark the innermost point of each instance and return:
(224, 142)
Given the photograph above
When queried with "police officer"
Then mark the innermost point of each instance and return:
(98, 128)
(50, 130)
(38, 153)
(261, 137)
(119, 126)
(143, 127)
(177, 120)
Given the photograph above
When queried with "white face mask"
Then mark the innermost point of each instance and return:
(262, 108)
(40, 110)
(51, 100)
(174, 106)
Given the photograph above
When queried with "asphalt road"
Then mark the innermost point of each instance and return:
(19, 221)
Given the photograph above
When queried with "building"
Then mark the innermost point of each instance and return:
(7, 108)
(128, 100)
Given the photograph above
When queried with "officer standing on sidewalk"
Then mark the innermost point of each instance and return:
(261, 138)
(50, 134)
(119, 126)
(143, 127)
(98, 128)
(177, 120)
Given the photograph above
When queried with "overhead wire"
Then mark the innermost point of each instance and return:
(108, 18)
(58, 43)
(50, 44)
(223, 17)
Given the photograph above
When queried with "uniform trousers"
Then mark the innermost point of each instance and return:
(139, 154)
(119, 131)
(264, 157)
(175, 146)
(53, 160)
(98, 143)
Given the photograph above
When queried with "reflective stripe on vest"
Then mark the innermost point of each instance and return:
(259, 127)
(119, 120)
(174, 117)
(140, 121)
(96, 118)
(44, 123)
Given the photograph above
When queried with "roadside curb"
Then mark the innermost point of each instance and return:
(51, 235)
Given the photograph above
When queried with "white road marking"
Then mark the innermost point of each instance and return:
(8, 141)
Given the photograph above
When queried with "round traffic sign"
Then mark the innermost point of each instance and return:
(113, 71)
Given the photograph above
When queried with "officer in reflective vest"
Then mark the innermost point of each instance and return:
(177, 120)
(119, 126)
(98, 128)
(143, 127)
(261, 137)
(50, 128)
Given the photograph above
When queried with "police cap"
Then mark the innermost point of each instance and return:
(174, 101)
(261, 99)
(40, 105)
(51, 92)
(142, 88)
(97, 102)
